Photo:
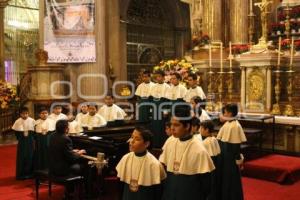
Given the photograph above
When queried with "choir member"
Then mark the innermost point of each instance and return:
(139, 170)
(177, 91)
(57, 113)
(230, 137)
(212, 146)
(194, 89)
(195, 128)
(93, 119)
(74, 126)
(44, 127)
(160, 113)
(113, 114)
(83, 112)
(168, 129)
(143, 94)
(24, 128)
(198, 110)
(188, 164)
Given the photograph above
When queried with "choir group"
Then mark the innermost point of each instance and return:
(194, 164)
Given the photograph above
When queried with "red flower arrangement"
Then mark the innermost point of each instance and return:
(286, 44)
(240, 48)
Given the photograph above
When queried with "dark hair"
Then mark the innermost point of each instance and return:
(198, 109)
(61, 126)
(146, 72)
(57, 106)
(160, 72)
(177, 75)
(195, 121)
(93, 104)
(168, 124)
(146, 135)
(193, 76)
(24, 109)
(43, 109)
(183, 112)
(231, 108)
(110, 94)
(208, 124)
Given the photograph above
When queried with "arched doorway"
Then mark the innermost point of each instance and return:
(156, 30)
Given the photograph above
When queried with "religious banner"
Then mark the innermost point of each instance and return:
(69, 31)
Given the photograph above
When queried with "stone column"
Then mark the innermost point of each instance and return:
(239, 21)
(3, 4)
(243, 88)
(92, 76)
(212, 19)
(116, 41)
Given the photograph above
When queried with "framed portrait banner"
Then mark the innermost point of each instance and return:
(69, 31)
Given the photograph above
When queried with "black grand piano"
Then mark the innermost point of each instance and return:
(109, 140)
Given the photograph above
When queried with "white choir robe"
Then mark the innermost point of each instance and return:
(112, 113)
(183, 158)
(22, 125)
(74, 128)
(93, 121)
(193, 92)
(144, 89)
(212, 146)
(79, 117)
(44, 126)
(159, 90)
(176, 92)
(204, 116)
(56, 117)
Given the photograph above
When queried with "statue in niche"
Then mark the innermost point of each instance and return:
(196, 9)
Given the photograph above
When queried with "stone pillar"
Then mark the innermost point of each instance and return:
(116, 41)
(92, 76)
(3, 4)
(239, 21)
(212, 19)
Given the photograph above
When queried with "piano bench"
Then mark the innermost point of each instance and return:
(65, 181)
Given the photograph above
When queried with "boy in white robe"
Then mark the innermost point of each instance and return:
(161, 104)
(194, 89)
(177, 91)
(113, 114)
(143, 97)
(57, 114)
(230, 137)
(93, 119)
(44, 127)
(212, 146)
(24, 128)
(83, 112)
(74, 127)
(198, 111)
(139, 170)
(188, 164)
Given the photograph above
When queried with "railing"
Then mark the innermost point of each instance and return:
(7, 118)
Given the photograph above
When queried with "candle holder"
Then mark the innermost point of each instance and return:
(289, 109)
(230, 84)
(277, 88)
(209, 105)
(219, 104)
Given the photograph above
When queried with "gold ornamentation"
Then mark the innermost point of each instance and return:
(255, 89)
(42, 56)
(125, 91)
(289, 110)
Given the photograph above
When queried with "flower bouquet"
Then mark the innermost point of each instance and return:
(8, 95)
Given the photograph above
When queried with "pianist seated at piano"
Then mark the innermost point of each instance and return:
(63, 159)
(139, 171)
(113, 114)
(92, 120)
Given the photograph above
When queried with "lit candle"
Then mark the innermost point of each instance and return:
(292, 52)
(230, 57)
(210, 56)
(251, 8)
(279, 51)
(221, 57)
